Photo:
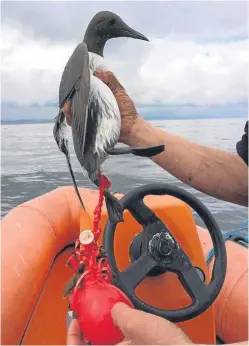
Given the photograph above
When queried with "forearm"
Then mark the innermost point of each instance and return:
(215, 172)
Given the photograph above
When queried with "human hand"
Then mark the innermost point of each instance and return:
(126, 105)
(141, 328)
(74, 336)
(67, 112)
(138, 327)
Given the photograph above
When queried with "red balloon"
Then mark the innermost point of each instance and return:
(92, 304)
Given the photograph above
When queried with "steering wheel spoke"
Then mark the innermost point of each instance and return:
(137, 271)
(141, 212)
(193, 284)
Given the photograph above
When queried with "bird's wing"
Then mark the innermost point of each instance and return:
(75, 86)
(74, 70)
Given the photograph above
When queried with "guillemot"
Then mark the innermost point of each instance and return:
(91, 108)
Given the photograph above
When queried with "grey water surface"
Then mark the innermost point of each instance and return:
(32, 164)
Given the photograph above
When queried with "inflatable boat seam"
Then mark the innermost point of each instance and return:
(44, 215)
(41, 290)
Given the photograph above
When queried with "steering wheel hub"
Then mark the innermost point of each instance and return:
(162, 246)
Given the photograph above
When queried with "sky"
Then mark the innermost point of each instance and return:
(194, 65)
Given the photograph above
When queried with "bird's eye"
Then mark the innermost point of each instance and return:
(112, 21)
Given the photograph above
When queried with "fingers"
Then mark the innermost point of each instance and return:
(127, 319)
(74, 336)
(147, 328)
(110, 80)
(125, 342)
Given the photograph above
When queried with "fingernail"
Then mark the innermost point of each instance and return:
(70, 316)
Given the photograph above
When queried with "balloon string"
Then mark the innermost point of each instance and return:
(89, 253)
(98, 210)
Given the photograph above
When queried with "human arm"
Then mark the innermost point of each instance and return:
(215, 172)
(218, 173)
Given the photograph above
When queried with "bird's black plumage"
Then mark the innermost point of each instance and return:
(74, 87)
(104, 26)
(73, 72)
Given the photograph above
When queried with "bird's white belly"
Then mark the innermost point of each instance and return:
(97, 63)
(102, 100)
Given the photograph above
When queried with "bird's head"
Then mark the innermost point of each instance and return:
(106, 25)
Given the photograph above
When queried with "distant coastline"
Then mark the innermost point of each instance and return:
(147, 117)
(26, 121)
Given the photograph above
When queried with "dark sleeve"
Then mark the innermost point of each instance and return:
(242, 145)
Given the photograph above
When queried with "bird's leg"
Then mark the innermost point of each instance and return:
(105, 183)
(143, 152)
(102, 182)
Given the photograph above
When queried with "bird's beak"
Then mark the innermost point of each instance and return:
(126, 31)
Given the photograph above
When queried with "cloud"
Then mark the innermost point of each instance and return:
(31, 69)
(177, 71)
(171, 70)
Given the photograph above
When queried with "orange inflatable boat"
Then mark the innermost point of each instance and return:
(38, 238)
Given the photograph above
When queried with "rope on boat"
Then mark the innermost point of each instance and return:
(229, 235)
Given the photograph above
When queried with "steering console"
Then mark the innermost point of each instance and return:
(160, 252)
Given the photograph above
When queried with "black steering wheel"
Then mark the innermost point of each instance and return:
(158, 252)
